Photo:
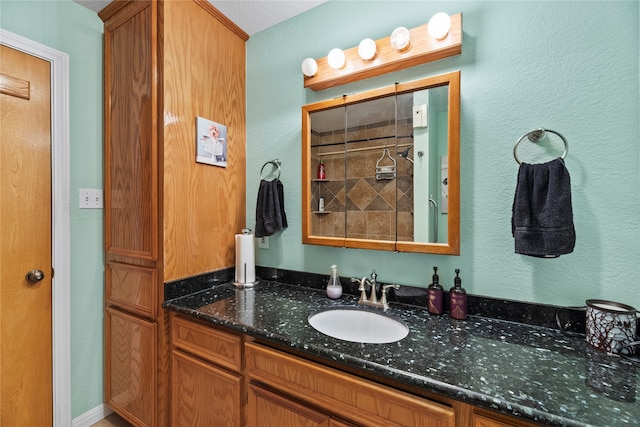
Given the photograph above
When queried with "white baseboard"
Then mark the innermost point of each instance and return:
(91, 417)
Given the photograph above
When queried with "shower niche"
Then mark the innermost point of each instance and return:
(391, 159)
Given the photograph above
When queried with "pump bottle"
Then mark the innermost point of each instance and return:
(334, 288)
(458, 299)
(322, 171)
(435, 294)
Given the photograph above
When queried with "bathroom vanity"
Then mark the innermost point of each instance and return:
(250, 357)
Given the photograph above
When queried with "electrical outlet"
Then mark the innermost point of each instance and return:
(263, 242)
(91, 198)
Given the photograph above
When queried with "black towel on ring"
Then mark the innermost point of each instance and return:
(270, 215)
(542, 217)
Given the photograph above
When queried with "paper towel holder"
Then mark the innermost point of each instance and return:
(237, 283)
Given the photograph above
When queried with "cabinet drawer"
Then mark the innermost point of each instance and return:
(132, 288)
(498, 420)
(207, 342)
(267, 409)
(203, 395)
(343, 394)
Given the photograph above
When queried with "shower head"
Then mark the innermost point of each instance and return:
(405, 153)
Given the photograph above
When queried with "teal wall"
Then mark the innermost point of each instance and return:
(567, 66)
(524, 65)
(77, 31)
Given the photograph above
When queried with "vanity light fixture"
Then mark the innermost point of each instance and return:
(402, 49)
(367, 49)
(400, 39)
(309, 67)
(336, 59)
(439, 26)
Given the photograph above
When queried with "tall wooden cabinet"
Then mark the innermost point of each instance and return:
(166, 216)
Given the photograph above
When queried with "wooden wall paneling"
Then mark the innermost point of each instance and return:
(204, 205)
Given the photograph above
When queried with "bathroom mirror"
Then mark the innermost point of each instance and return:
(391, 159)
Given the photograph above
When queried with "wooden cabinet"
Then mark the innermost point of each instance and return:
(337, 394)
(166, 216)
(206, 386)
(223, 378)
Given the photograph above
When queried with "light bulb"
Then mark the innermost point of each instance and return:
(367, 49)
(400, 38)
(309, 67)
(439, 26)
(336, 58)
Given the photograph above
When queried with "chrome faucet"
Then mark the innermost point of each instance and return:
(372, 301)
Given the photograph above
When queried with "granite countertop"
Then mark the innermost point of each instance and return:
(532, 372)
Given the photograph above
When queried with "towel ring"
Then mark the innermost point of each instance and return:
(276, 163)
(537, 135)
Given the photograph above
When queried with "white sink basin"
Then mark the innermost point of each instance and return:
(359, 326)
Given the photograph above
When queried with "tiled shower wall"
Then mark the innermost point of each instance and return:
(357, 205)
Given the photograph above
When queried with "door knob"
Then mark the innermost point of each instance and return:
(34, 276)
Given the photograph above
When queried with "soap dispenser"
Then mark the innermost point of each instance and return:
(334, 288)
(435, 294)
(458, 299)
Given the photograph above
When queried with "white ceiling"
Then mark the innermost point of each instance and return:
(250, 15)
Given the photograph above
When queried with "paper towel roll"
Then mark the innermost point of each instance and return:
(245, 259)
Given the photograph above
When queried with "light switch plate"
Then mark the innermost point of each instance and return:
(263, 242)
(91, 198)
(420, 116)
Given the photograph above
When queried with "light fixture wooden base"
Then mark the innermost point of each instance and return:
(423, 49)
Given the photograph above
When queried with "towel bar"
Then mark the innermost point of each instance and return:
(276, 163)
(537, 135)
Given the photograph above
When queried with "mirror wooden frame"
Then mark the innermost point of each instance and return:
(452, 246)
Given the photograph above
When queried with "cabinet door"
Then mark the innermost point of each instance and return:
(130, 149)
(131, 356)
(203, 395)
(267, 409)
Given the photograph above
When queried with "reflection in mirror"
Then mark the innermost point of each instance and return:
(391, 160)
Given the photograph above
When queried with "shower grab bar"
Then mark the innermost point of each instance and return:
(434, 206)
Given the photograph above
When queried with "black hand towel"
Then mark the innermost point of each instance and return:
(270, 215)
(542, 221)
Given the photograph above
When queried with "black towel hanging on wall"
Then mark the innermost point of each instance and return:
(542, 213)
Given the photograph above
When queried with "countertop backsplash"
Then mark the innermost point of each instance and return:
(493, 308)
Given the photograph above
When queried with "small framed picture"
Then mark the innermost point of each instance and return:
(211, 142)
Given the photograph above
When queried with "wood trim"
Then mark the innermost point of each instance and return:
(452, 247)
(223, 19)
(423, 49)
(115, 6)
(14, 86)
